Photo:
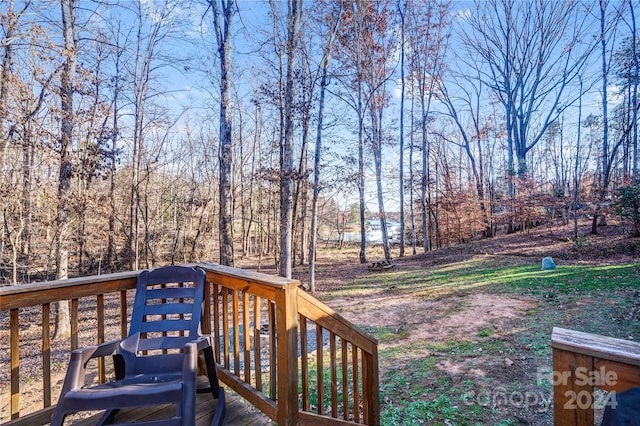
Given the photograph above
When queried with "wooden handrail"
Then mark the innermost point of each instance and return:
(23, 296)
(255, 320)
(584, 361)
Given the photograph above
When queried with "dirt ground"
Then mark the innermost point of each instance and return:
(428, 319)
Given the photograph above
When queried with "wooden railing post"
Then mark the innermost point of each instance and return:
(286, 299)
(374, 389)
(571, 392)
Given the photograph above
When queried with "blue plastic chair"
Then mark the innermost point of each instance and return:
(157, 363)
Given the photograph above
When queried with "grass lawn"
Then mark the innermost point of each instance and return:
(468, 343)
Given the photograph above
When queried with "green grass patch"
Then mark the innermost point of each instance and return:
(490, 274)
(445, 381)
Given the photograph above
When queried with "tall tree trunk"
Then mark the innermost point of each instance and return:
(63, 328)
(27, 167)
(113, 158)
(414, 238)
(141, 78)
(313, 233)
(424, 181)
(313, 241)
(286, 186)
(401, 11)
(223, 32)
(299, 195)
(11, 24)
(576, 171)
(634, 94)
(362, 205)
(376, 129)
(604, 182)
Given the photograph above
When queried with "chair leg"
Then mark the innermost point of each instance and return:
(107, 417)
(214, 387)
(218, 416)
(58, 417)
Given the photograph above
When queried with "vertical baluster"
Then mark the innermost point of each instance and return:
(14, 326)
(257, 350)
(333, 371)
(246, 327)
(366, 382)
(304, 348)
(345, 381)
(206, 320)
(356, 386)
(225, 326)
(100, 318)
(123, 314)
(216, 322)
(46, 354)
(74, 323)
(320, 368)
(236, 333)
(273, 364)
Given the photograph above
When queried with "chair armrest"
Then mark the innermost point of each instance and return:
(191, 350)
(130, 344)
(203, 342)
(192, 347)
(74, 378)
(83, 355)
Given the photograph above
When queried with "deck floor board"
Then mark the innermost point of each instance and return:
(238, 412)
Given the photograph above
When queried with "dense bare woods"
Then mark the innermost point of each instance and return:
(134, 134)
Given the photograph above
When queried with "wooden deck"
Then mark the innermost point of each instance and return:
(272, 369)
(239, 413)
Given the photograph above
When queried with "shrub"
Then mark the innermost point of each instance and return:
(628, 204)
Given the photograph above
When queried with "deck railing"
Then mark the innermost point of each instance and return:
(285, 352)
(583, 362)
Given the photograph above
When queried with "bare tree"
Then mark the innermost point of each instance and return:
(576, 169)
(294, 11)
(332, 30)
(378, 70)
(470, 97)
(427, 37)
(67, 80)
(402, 10)
(364, 55)
(608, 26)
(529, 54)
(223, 24)
(636, 77)
(352, 41)
(118, 42)
(9, 28)
(154, 24)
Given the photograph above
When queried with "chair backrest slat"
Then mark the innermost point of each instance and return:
(168, 309)
(165, 326)
(171, 293)
(160, 343)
